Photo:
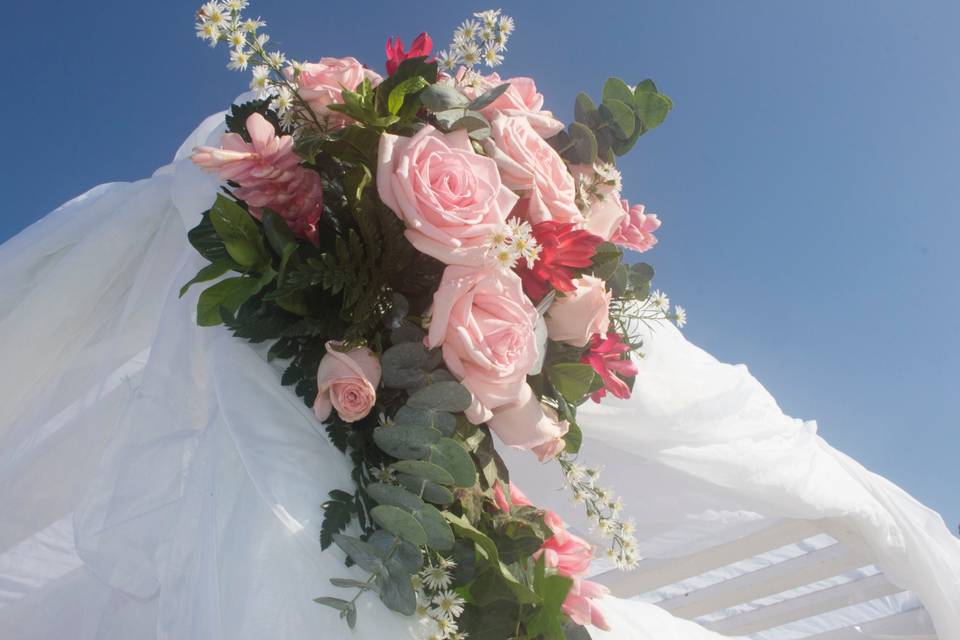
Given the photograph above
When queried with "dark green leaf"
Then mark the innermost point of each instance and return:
(400, 523)
(606, 259)
(406, 442)
(278, 233)
(652, 108)
(450, 455)
(336, 603)
(488, 98)
(392, 495)
(584, 145)
(440, 97)
(228, 294)
(442, 396)
(431, 491)
(424, 469)
(616, 89)
(209, 272)
(585, 111)
(205, 240)
(239, 233)
(400, 92)
(620, 117)
(363, 553)
(571, 379)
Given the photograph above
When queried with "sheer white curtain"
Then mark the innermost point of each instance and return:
(158, 482)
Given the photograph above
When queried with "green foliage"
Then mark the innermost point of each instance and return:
(239, 233)
(572, 380)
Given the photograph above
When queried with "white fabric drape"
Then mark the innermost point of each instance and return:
(156, 481)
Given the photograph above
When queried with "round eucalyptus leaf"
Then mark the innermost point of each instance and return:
(397, 593)
(424, 469)
(364, 554)
(399, 523)
(442, 396)
(442, 421)
(454, 458)
(405, 441)
(584, 149)
(620, 116)
(337, 603)
(394, 496)
(405, 557)
(432, 492)
(439, 533)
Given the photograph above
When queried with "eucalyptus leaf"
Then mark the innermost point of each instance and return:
(488, 98)
(652, 108)
(442, 396)
(616, 89)
(583, 142)
(426, 470)
(429, 491)
(363, 553)
(455, 459)
(393, 495)
(440, 97)
(397, 593)
(403, 556)
(406, 442)
(439, 533)
(350, 583)
(585, 111)
(442, 421)
(606, 259)
(400, 523)
(337, 603)
(620, 116)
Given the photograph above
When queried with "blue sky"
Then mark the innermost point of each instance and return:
(808, 178)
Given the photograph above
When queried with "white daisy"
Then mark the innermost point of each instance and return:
(215, 14)
(506, 258)
(448, 61)
(260, 84)
(628, 528)
(507, 25)
(236, 5)
(448, 563)
(276, 59)
(488, 17)
(239, 59)
(448, 605)
(660, 300)
(283, 101)
(236, 38)
(680, 316)
(492, 57)
(466, 31)
(208, 31)
(250, 25)
(469, 53)
(436, 578)
(262, 39)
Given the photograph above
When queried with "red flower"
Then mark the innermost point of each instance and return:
(421, 46)
(605, 354)
(563, 248)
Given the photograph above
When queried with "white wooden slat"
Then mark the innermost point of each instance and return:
(909, 625)
(654, 573)
(782, 576)
(806, 606)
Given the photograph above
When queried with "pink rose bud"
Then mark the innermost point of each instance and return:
(322, 83)
(347, 382)
(576, 317)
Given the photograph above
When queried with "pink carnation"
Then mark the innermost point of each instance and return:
(269, 174)
(636, 230)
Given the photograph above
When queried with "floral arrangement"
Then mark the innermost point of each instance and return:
(437, 259)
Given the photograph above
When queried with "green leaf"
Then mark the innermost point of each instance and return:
(432, 492)
(349, 583)
(442, 396)
(209, 272)
(363, 553)
(584, 145)
(585, 111)
(406, 442)
(645, 86)
(606, 259)
(392, 495)
(571, 379)
(399, 93)
(450, 455)
(400, 523)
(406, 558)
(440, 97)
(488, 98)
(228, 294)
(620, 116)
(397, 593)
(652, 109)
(573, 439)
(616, 89)
(487, 548)
(277, 231)
(239, 233)
(439, 533)
(205, 240)
(471, 121)
(337, 603)
(424, 469)
(553, 589)
(442, 421)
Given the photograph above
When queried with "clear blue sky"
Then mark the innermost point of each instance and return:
(808, 177)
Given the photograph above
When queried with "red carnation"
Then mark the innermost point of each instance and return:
(563, 248)
(605, 354)
(421, 46)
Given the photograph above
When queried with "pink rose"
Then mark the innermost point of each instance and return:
(485, 325)
(322, 83)
(525, 423)
(580, 606)
(636, 230)
(606, 216)
(531, 166)
(577, 316)
(346, 382)
(517, 497)
(521, 100)
(450, 197)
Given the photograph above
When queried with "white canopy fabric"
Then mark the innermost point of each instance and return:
(156, 481)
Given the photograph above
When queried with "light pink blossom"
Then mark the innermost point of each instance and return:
(269, 174)
(580, 606)
(636, 230)
(450, 198)
(322, 83)
(576, 316)
(347, 382)
(521, 99)
(525, 423)
(517, 497)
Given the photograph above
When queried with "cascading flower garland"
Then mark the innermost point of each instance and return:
(437, 259)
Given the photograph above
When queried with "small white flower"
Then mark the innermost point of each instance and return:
(294, 68)
(276, 59)
(236, 38)
(576, 472)
(448, 605)
(506, 258)
(660, 300)
(448, 61)
(214, 13)
(250, 25)
(469, 54)
(680, 316)
(260, 84)
(628, 528)
(444, 627)
(616, 506)
(436, 578)
(208, 31)
(486, 36)
(499, 41)
(488, 17)
(467, 31)
(416, 582)
(239, 59)
(262, 39)
(607, 527)
(447, 563)
(492, 57)
(507, 25)
(235, 6)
